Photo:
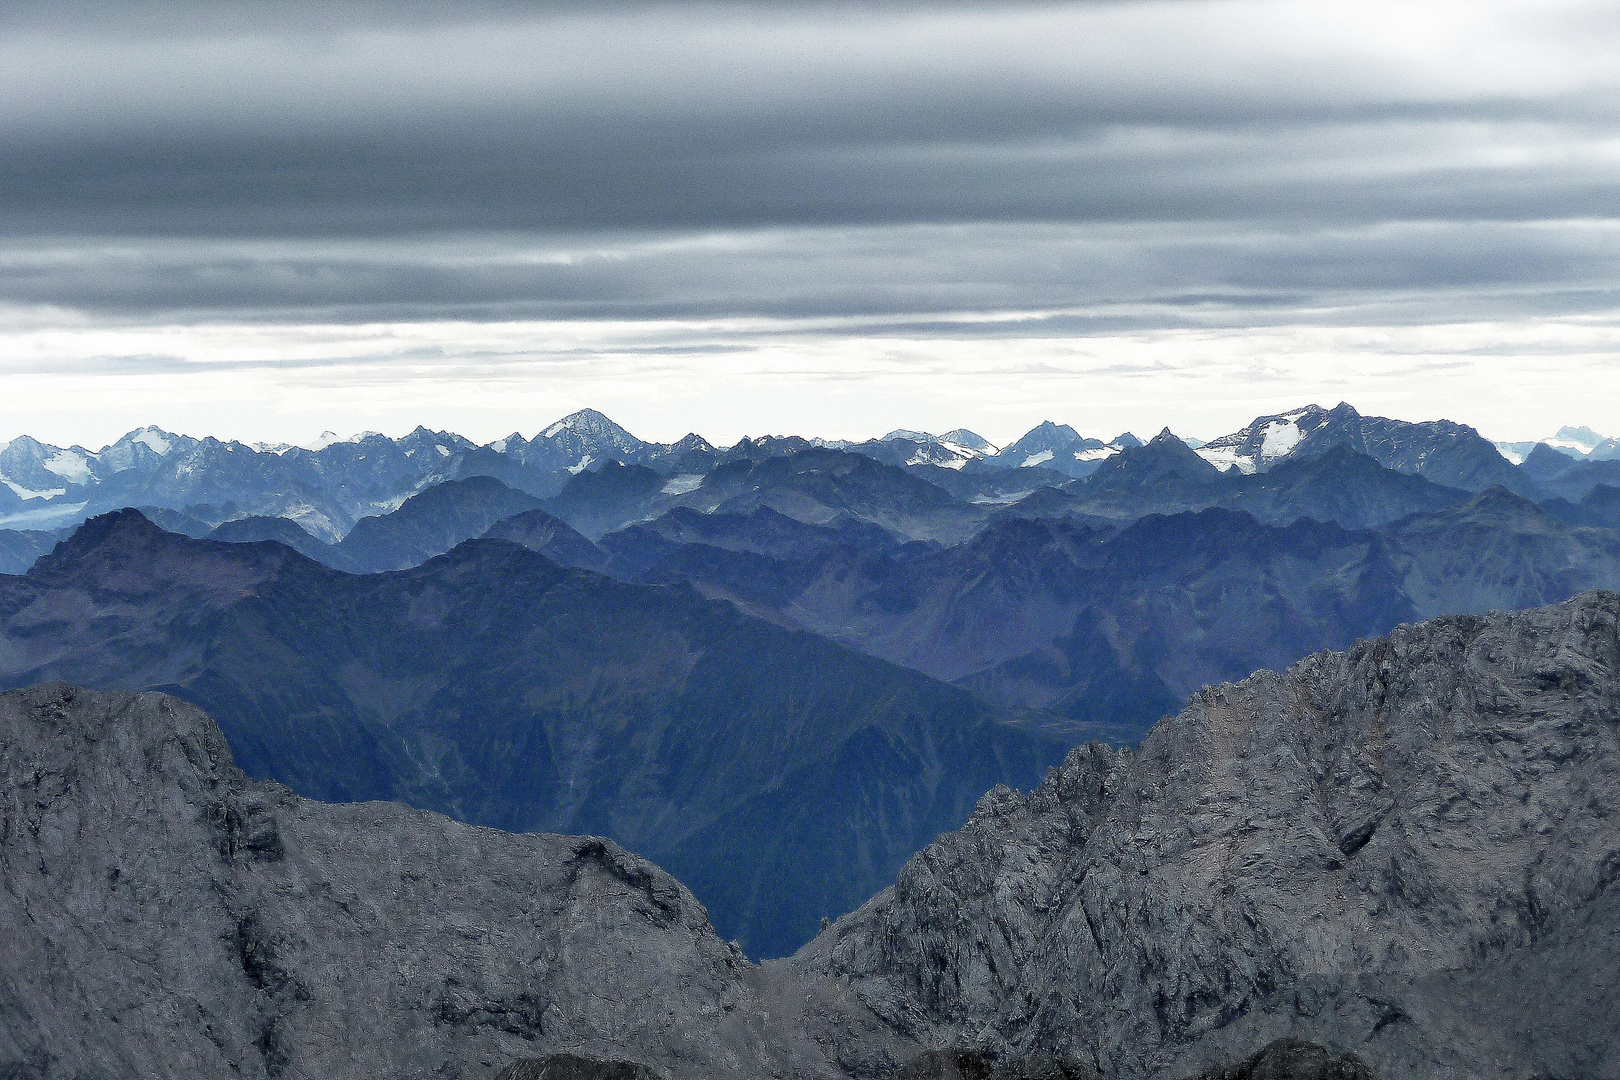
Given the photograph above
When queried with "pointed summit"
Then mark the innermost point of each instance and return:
(582, 439)
(1164, 458)
(1056, 446)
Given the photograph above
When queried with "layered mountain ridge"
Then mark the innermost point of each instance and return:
(494, 685)
(1404, 852)
(333, 483)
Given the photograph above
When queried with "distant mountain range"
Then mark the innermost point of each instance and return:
(781, 667)
(332, 484)
(1103, 599)
(1579, 443)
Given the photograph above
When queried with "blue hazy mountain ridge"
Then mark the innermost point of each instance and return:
(551, 537)
(1568, 478)
(1110, 649)
(430, 523)
(1333, 484)
(1600, 508)
(784, 776)
(1112, 622)
(19, 548)
(250, 530)
(329, 488)
(1111, 630)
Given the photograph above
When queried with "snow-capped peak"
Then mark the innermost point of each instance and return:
(1265, 441)
(1581, 439)
(154, 439)
(586, 422)
(325, 439)
(973, 442)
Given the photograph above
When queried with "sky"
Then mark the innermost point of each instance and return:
(263, 221)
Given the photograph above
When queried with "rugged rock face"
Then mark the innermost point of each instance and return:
(163, 916)
(1410, 849)
(1294, 1059)
(574, 1067)
(957, 1064)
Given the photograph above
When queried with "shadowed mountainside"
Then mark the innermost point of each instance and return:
(784, 776)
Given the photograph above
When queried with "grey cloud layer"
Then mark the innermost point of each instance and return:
(899, 158)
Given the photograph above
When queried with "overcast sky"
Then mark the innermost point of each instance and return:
(266, 220)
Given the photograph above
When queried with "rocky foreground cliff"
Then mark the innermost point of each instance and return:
(1407, 852)
(1410, 850)
(163, 916)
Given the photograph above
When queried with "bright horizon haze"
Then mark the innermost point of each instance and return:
(834, 219)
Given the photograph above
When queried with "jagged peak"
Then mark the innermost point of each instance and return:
(693, 441)
(127, 531)
(584, 421)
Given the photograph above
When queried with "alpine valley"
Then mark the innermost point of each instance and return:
(415, 757)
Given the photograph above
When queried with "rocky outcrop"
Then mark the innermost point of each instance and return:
(1294, 1059)
(574, 1067)
(163, 916)
(1410, 849)
(957, 1064)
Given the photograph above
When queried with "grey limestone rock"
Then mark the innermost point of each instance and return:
(163, 916)
(574, 1067)
(1294, 1059)
(960, 1064)
(1410, 850)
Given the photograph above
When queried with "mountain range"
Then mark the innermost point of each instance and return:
(329, 486)
(1404, 852)
(784, 776)
(779, 668)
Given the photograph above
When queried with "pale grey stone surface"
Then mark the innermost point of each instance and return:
(162, 916)
(1409, 850)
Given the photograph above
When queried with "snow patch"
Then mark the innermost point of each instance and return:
(1036, 459)
(584, 461)
(1098, 454)
(70, 465)
(29, 493)
(1281, 436)
(962, 451)
(680, 485)
(332, 438)
(1226, 457)
(443, 452)
(43, 518)
(154, 440)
